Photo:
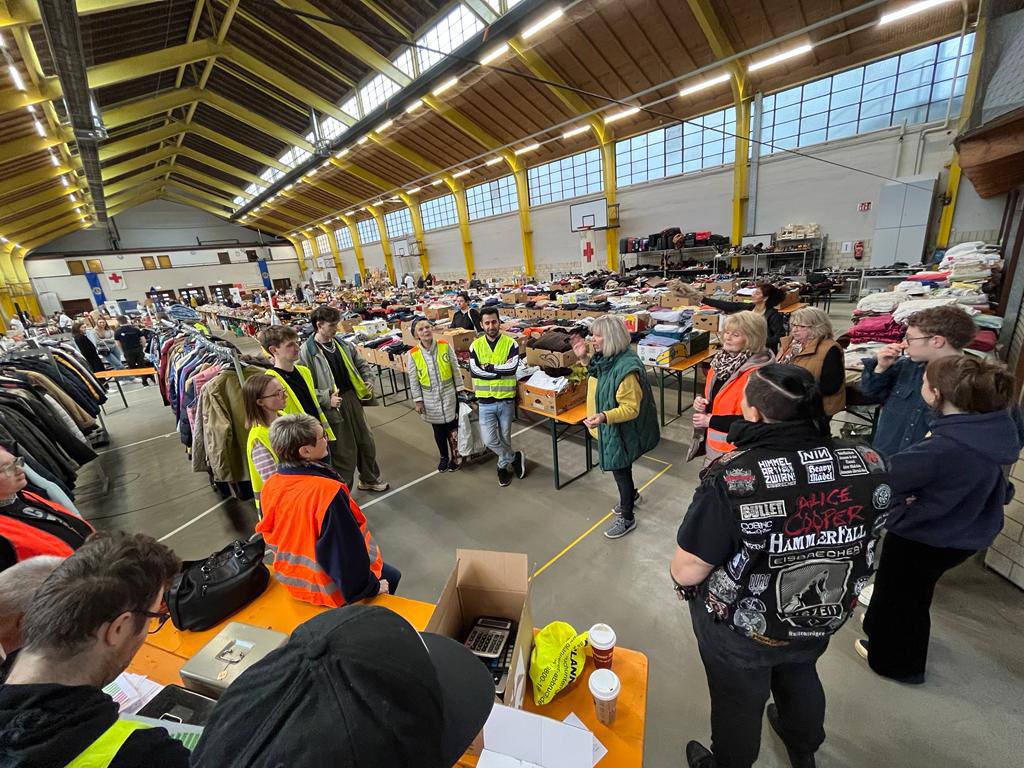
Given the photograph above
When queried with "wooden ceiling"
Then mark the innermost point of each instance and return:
(199, 96)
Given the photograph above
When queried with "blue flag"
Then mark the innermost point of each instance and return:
(96, 288)
(265, 274)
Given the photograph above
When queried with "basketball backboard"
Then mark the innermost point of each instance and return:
(590, 214)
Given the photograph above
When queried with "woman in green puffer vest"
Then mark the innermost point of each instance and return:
(620, 411)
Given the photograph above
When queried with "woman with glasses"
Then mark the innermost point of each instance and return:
(264, 400)
(743, 352)
(810, 345)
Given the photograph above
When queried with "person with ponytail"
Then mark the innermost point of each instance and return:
(949, 491)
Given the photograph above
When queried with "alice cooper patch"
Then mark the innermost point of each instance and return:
(740, 482)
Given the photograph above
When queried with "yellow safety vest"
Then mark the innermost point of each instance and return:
(362, 391)
(444, 363)
(259, 433)
(292, 404)
(101, 753)
(503, 388)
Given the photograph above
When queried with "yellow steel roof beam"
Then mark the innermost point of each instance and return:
(111, 172)
(212, 181)
(170, 194)
(131, 111)
(255, 120)
(141, 140)
(17, 12)
(14, 150)
(135, 180)
(221, 166)
(31, 178)
(40, 198)
(187, 185)
(388, 19)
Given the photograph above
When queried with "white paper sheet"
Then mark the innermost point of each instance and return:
(600, 750)
(533, 741)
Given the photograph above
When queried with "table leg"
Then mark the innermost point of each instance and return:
(661, 393)
(678, 376)
(554, 450)
(121, 392)
(588, 441)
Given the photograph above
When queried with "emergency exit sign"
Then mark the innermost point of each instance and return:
(864, 207)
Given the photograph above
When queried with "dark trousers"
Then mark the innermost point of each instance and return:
(627, 490)
(136, 358)
(392, 575)
(353, 445)
(740, 686)
(443, 436)
(898, 621)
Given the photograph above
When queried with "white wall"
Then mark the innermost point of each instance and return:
(444, 250)
(156, 224)
(497, 243)
(198, 268)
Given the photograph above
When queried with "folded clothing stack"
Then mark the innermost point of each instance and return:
(907, 309)
(552, 340)
(881, 303)
(879, 328)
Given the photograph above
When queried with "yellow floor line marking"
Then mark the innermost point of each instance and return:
(591, 529)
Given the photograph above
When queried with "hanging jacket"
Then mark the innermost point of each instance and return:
(957, 480)
(292, 404)
(631, 429)
(224, 429)
(726, 402)
(64, 725)
(359, 371)
(434, 380)
(324, 553)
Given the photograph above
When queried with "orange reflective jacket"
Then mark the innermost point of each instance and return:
(726, 403)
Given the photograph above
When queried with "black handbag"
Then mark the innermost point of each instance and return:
(208, 591)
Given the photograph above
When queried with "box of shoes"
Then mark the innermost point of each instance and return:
(549, 402)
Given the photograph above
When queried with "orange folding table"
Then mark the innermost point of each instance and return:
(124, 373)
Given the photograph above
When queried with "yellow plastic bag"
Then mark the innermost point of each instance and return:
(558, 657)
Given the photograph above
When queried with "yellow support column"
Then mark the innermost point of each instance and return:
(297, 245)
(523, 194)
(7, 281)
(385, 244)
(740, 175)
(412, 201)
(459, 193)
(332, 243)
(27, 291)
(357, 246)
(611, 182)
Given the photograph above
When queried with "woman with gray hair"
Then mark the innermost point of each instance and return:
(324, 553)
(810, 345)
(620, 411)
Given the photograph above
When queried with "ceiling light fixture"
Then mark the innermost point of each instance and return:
(54, 160)
(437, 183)
(717, 80)
(351, 213)
(385, 125)
(910, 10)
(494, 161)
(575, 131)
(779, 57)
(412, 191)
(461, 173)
(31, 109)
(363, 140)
(341, 153)
(552, 17)
(16, 77)
(64, 181)
(494, 53)
(621, 115)
(39, 128)
(288, 186)
(527, 148)
(445, 86)
(414, 106)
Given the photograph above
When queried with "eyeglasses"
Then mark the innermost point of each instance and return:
(909, 339)
(272, 395)
(12, 467)
(157, 619)
(797, 325)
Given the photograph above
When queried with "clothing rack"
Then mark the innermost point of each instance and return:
(224, 350)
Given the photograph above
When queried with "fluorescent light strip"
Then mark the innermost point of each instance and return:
(54, 160)
(412, 191)
(575, 131)
(552, 17)
(341, 153)
(385, 125)
(437, 183)
(494, 53)
(910, 10)
(461, 173)
(445, 86)
(16, 77)
(779, 57)
(414, 106)
(717, 80)
(621, 115)
(363, 140)
(64, 181)
(351, 213)
(527, 148)
(494, 161)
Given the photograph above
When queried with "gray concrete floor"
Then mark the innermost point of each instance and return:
(969, 713)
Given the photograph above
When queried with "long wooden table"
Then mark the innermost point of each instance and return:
(566, 420)
(164, 653)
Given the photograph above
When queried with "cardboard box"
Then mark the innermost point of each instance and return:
(792, 297)
(437, 313)
(366, 353)
(696, 341)
(459, 339)
(548, 359)
(707, 321)
(508, 297)
(720, 286)
(651, 354)
(549, 313)
(637, 321)
(672, 300)
(407, 337)
(371, 328)
(565, 314)
(467, 380)
(552, 403)
(489, 584)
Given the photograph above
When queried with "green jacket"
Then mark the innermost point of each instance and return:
(623, 443)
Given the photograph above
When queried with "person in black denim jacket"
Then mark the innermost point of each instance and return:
(894, 375)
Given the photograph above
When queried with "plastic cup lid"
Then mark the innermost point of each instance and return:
(604, 684)
(601, 636)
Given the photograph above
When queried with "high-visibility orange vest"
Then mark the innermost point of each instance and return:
(29, 541)
(726, 403)
(293, 514)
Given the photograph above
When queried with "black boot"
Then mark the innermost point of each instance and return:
(698, 756)
(796, 759)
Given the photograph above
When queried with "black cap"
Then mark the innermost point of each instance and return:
(355, 687)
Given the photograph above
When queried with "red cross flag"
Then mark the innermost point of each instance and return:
(116, 281)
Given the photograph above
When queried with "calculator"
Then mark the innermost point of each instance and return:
(489, 636)
(499, 668)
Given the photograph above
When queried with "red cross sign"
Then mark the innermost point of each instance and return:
(114, 278)
(588, 251)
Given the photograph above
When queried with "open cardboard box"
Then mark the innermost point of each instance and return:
(489, 584)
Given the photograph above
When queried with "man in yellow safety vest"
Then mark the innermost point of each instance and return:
(493, 361)
(84, 625)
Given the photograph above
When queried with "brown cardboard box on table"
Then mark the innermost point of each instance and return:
(437, 313)
(549, 313)
(459, 339)
(545, 358)
(720, 286)
(407, 337)
(509, 297)
(493, 584)
(551, 403)
(467, 379)
(707, 321)
(366, 353)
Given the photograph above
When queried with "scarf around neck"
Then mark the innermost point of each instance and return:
(794, 349)
(725, 363)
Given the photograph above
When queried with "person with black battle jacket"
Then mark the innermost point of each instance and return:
(777, 543)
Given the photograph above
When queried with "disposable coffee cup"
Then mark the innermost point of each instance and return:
(602, 644)
(605, 688)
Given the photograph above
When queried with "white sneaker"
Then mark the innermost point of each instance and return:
(864, 598)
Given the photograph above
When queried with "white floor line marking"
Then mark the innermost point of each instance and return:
(419, 480)
(195, 519)
(139, 442)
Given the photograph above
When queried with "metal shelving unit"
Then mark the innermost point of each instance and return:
(791, 255)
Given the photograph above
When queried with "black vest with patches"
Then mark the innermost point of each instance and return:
(809, 521)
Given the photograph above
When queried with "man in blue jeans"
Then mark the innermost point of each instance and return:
(493, 360)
